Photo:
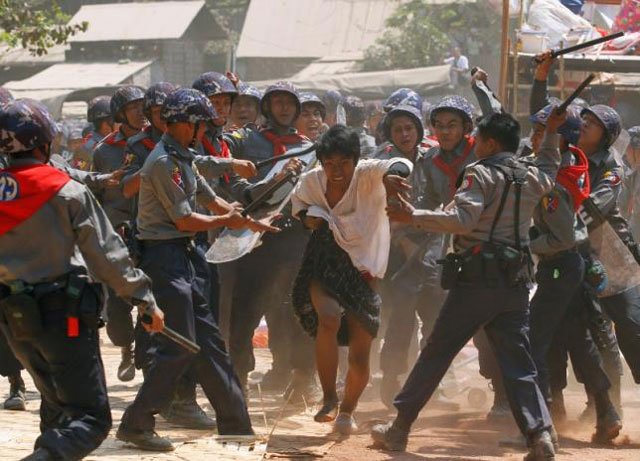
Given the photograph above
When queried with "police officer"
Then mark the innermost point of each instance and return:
(560, 273)
(50, 308)
(10, 367)
(355, 118)
(488, 277)
(601, 127)
(333, 103)
(167, 222)
(272, 265)
(245, 109)
(108, 156)
(310, 123)
(99, 115)
(411, 285)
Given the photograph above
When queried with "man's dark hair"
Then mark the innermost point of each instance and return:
(502, 128)
(339, 139)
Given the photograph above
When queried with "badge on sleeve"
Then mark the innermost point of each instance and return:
(177, 177)
(612, 177)
(467, 182)
(550, 202)
(8, 187)
(128, 159)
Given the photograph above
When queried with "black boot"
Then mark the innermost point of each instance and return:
(184, 410)
(17, 394)
(145, 440)
(541, 448)
(39, 455)
(391, 436)
(126, 369)
(608, 423)
(500, 410)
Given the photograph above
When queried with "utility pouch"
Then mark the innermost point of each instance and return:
(490, 265)
(23, 317)
(451, 266)
(91, 305)
(514, 265)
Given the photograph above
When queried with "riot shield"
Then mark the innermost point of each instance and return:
(232, 244)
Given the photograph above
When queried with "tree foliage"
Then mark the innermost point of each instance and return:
(420, 33)
(35, 25)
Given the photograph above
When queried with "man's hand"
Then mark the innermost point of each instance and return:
(235, 79)
(263, 225)
(555, 120)
(294, 166)
(395, 185)
(400, 210)
(479, 76)
(244, 168)
(113, 179)
(157, 319)
(235, 220)
(545, 61)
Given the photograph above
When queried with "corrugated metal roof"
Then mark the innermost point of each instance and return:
(312, 28)
(73, 76)
(136, 21)
(375, 85)
(315, 28)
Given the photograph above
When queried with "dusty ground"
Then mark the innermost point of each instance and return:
(438, 435)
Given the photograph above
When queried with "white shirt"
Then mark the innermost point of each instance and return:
(358, 221)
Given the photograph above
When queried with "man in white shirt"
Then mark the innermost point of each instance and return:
(459, 68)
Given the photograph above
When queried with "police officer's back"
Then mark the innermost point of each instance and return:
(487, 278)
(50, 308)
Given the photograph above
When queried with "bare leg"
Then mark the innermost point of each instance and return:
(329, 315)
(358, 375)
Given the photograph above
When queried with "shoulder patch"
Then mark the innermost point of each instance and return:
(467, 182)
(9, 188)
(613, 177)
(550, 202)
(176, 176)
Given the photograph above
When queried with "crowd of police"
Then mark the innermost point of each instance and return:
(120, 215)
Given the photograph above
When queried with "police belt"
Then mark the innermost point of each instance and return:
(37, 290)
(488, 264)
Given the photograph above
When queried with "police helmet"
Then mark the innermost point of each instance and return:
(310, 98)
(214, 83)
(609, 119)
(279, 87)
(406, 110)
(24, 125)
(123, 96)
(99, 108)
(188, 105)
(156, 95)
(454, 103)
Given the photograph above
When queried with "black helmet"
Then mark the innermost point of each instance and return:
(279, 87)
(354, 110)
(99, 108)
(156, 95)
(408, 111)
(123, 96)
(188, 105)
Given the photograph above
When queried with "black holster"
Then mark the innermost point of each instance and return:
(451, 266)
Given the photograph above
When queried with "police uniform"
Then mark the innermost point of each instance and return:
(555, 308)
(62, 353)
(624, 308)
(169, 186)
(268, 268)
(412, 282)
(486, 215)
